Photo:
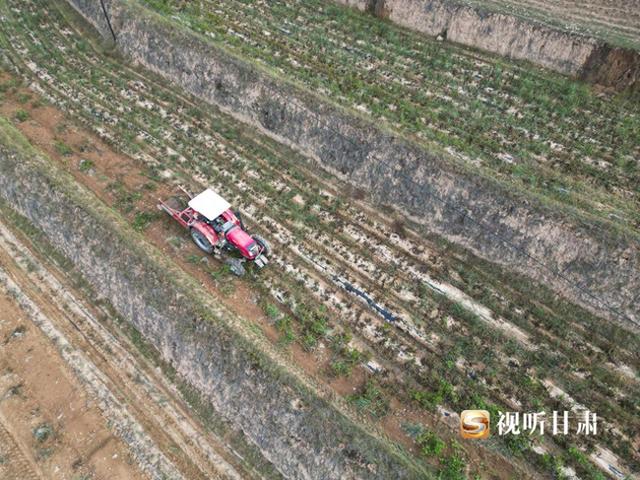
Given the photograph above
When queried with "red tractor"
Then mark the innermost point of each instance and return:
(215, 227)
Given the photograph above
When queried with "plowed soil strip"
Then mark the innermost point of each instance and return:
(15, 463)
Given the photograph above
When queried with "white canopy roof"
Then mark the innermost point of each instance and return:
(209, 204)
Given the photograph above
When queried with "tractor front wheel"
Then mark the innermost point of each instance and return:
(201, 241)
(266, 246)
(236, 266)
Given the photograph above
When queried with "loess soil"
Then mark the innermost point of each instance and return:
(37, 389)
(465, 332)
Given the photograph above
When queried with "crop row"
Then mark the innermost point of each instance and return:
(545, 133)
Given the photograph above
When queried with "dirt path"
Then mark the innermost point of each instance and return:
(139, 405)
(49, 426)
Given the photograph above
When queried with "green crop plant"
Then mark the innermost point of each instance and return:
(9, 85)
(21, 115)
(309, 341)
(585, 468)
(340, 368)
(429, 400)
(272, 311)
(125, 199)
(62, 148)
(452, 468)
(345, 357)
(85, 165)
(284, 325)
(541, 315)
(193, 258)
(430, 444)
(143, 219)
(370, 399)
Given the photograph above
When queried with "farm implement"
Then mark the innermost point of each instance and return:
(216, 228)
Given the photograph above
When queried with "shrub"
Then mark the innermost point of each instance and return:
(430, 444)
(21, 115)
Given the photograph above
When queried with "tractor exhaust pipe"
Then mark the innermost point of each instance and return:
(237, 214)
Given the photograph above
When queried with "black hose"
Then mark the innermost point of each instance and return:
(106, 16)
(239, 216)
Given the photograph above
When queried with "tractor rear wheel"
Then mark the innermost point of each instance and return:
(201, 241)
(264, 244)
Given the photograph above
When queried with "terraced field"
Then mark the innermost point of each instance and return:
(533, 130)
(617, 22)
(455, 332)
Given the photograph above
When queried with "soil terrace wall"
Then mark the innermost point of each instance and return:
(445, 198)
(510, 36)
(303, 435)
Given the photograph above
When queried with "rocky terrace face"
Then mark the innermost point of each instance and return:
(598, 42)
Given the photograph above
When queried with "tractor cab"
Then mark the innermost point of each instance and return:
(211, 207)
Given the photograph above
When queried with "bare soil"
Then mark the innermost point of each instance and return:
(37, 390)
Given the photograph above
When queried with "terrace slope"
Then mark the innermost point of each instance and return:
(596, 42)
(585, 260)
(299, 432)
